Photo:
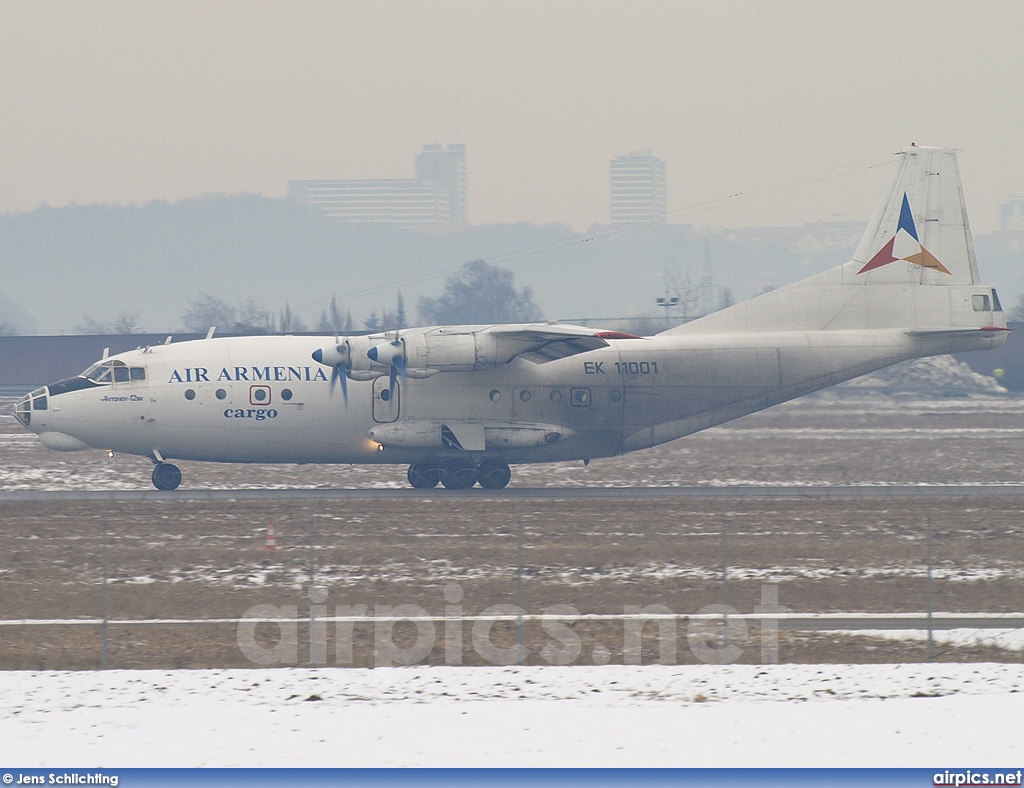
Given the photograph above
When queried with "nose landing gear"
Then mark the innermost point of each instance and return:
(166, 476)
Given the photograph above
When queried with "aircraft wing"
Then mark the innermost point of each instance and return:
(550, 342)
(422, 352)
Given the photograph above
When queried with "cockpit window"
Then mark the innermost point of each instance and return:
(38, 399)
(98, 373)
(114, 371)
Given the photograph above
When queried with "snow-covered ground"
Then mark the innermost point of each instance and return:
(741, 715)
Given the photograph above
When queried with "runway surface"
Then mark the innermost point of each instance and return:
(843, 622)
(789, 492)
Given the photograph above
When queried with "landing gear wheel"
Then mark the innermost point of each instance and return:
(423, 476)
(494, 475)
(166, 476)
(458, 477)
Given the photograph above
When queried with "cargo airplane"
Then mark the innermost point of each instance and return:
(460, 404)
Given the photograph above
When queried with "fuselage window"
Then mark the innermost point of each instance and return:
(981, 303)
(581, 398)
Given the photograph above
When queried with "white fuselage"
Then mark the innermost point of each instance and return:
(263, 399)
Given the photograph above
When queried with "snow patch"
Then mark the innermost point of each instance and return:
(737, 715)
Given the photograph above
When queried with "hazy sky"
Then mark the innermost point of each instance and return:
(134, 101)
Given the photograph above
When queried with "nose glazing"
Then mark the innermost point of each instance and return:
(23, 410)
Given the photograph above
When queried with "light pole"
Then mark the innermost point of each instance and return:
(666, 302)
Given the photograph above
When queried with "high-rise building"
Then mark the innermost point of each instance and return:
(637, 188)
(1013, 214)
(436, 196)
(447, 168)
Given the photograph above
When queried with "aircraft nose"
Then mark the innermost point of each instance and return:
(318, 355)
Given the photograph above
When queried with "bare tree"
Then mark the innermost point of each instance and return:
(252, 318)
(205, 311)
(127, 323)
(480, 293)
(1017, 313)
(90, 325)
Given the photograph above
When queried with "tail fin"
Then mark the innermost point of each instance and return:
(920, 233)
(914, 267)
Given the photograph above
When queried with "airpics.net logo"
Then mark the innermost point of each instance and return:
(712, 633)
(970, 777)
(905, 245)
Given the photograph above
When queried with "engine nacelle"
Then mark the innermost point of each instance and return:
(451, 350)
(424, 352)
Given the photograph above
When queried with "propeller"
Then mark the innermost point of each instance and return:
(339, 358)
(393, 354)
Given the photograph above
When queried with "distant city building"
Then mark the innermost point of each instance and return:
(637, 188)
(447, 168)
(436, 196)
(1013, 214)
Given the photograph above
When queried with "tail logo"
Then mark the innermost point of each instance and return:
(905, 245)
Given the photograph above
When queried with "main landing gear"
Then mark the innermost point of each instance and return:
(166, 476)
(460, 474)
